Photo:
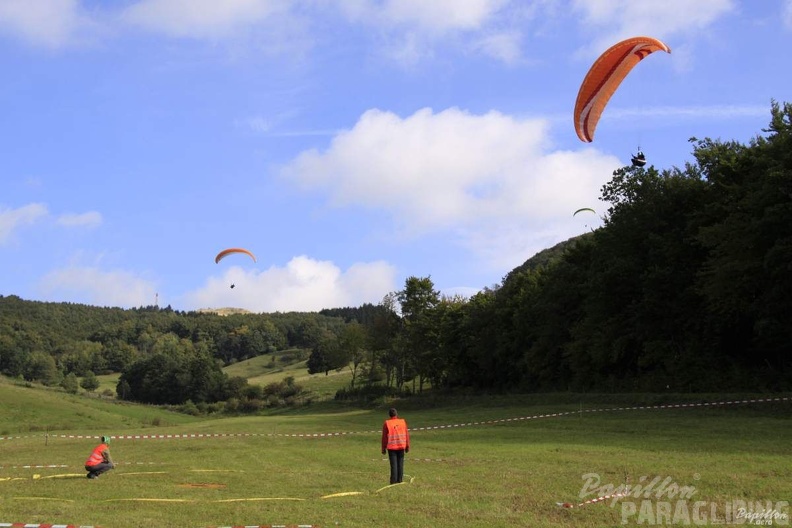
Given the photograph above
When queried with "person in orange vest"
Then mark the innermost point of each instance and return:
(396, 441)
(99, 461)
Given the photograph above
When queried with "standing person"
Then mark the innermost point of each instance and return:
(100, 460)
(396, 441)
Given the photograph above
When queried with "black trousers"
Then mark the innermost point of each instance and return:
(396, 457)
(98, 469)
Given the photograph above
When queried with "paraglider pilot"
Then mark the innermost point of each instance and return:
(639, 160)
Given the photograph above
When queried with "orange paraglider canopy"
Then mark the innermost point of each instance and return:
(223, 254)
(605, 76)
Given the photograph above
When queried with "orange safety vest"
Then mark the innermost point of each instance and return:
(96, 457)
(398, 435)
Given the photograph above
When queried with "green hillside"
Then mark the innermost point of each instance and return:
(273, 368)
(31, 408)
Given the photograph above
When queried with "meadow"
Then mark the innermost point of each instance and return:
(472, 463)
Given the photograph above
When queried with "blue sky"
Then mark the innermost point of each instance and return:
(349, 144)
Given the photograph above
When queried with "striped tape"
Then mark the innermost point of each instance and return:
(413, 429)
(46, 525)
(44, 466)
(43, 525)
(592, 501)
(34, 467)
(414, 459)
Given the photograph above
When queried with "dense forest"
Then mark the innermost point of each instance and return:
(687, 286)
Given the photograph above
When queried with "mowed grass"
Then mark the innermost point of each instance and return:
(502, 473)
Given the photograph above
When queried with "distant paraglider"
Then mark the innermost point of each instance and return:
(223, 254)
(585, 209)
(604, 78)
(639, 160)
(230, 251)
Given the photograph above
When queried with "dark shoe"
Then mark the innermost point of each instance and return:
(92, 475)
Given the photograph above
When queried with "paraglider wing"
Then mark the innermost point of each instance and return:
(584, 209)
(605, 76)
(223, 254)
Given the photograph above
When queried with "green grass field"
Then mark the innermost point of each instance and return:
(264, 470)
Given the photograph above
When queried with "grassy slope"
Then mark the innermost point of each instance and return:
(34, 408)
(270, 368)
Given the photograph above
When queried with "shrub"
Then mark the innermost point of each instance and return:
(70, 383)
(190, 408)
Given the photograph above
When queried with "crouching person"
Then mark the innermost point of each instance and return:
(99, 462)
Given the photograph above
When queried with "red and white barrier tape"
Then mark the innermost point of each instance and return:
(47, 525)
(592, 501)
(33, 467)
(42, 525)
(428, 428)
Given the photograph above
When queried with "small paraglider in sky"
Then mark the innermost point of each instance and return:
(223, 254)
(639, 160)
(584, 209)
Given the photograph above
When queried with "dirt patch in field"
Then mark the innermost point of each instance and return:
(204, 485)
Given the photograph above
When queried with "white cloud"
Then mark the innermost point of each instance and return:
(504, 46)
(441, 15)
(12, 219)
(627, 18)
(91, 285)
(200, 18)
(47, 23)
(303, 285)
(89, 219)
(489, 180)
(412, 28)
(434, 16)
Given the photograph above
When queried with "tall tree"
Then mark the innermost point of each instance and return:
(418, 299)
(352, 343)
(382, 332)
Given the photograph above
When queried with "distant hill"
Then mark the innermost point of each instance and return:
(276, 367)
(546, 257)
(224, 311)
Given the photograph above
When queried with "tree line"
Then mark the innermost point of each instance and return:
(687, 286)
(164, 356)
